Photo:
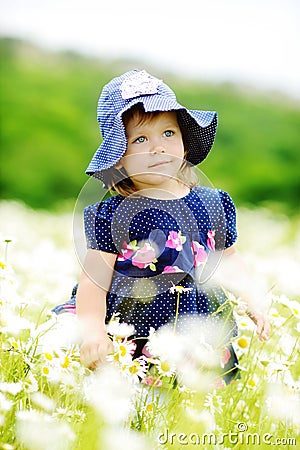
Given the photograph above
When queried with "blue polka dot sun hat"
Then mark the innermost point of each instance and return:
(198, 128)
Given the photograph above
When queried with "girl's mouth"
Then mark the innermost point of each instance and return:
(159, 163)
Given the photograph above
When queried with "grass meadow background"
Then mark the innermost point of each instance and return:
(47, 399)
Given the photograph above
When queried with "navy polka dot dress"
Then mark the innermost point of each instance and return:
(161, 244)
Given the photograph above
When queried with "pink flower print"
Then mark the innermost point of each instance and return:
(200, 255)
(175, 240)
(225, 357)
(211, 240)
(172, 269)
(145, 257)
(127, 251)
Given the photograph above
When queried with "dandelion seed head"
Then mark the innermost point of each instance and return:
(288, 343)
(116, 439)
(5, 404)
(62, 331)
(30, 384)
(11, 388)
(167, 345)
(13, 324)
(208, 331)
(195, 378)
(117, 329)
(43, 401)
(51, 435)
(7, 447)
(281, 404)
(109, 393)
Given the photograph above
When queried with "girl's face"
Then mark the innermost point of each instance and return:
(155, 151)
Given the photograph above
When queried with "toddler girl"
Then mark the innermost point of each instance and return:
(161, 230)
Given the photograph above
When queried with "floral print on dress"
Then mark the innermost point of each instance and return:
(211, 240)
(128, 250)
(143, 255)
(199, 253)
(175, 240)
(172, 269)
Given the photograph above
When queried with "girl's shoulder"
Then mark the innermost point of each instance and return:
(103, 209)
(213, 195)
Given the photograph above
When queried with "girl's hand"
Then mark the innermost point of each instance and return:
(262, 324)
(93, 351)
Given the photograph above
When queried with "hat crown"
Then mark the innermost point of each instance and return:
(124, 90)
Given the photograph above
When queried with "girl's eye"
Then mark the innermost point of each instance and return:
(169, 133)
(140, 140)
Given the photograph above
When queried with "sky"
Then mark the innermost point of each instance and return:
(253, 42)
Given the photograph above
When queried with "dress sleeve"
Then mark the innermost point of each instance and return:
(227, 233)
(97, 224)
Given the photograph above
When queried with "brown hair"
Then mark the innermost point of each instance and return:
(118, 180)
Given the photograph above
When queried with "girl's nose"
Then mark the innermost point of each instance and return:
(157, 149)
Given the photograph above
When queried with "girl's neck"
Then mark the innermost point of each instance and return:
(165, 194)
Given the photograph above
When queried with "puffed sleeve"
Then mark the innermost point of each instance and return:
(227, 233)
(97, 224)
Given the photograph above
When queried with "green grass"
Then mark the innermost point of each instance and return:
(48, 400)
(49, 130)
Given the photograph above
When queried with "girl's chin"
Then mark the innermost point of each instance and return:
(156, 179)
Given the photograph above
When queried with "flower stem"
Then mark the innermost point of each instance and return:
(177, 311)
(7, 241)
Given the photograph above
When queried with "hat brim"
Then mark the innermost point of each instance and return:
(198, 130)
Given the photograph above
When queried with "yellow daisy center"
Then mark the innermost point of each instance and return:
(243, 343)
(165, 367)
(123, 350)
(66, 362)
(134, 369)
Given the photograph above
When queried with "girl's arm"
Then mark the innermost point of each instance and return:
(236, 277)
(94, 283)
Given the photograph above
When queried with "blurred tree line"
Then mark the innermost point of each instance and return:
(49, 130)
